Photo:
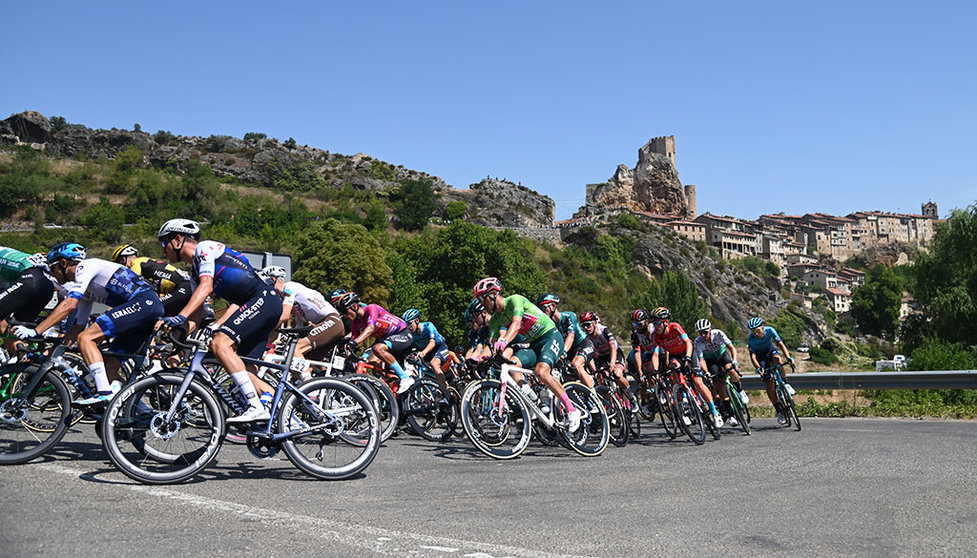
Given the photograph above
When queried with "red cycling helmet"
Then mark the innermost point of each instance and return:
(487, 285)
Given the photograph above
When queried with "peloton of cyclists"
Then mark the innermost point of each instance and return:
(669, 338)
(29, 288)
(174, 288)
(515, 315)
(134, 310)
(764, 356)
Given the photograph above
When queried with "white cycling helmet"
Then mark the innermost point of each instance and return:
(185, 227)
(703, 325)
(276, 271)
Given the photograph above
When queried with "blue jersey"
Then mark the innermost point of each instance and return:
(482, 336)
(234, 279)
(425, 333)
(763, 344)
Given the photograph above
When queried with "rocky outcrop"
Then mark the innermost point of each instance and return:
(501, 203)
(651, 186)
(256, 159)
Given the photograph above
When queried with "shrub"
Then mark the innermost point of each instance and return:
(822, 356)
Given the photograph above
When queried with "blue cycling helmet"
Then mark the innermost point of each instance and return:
(754, 322)
(66, 251)
(411, 315)
(474, 308)
(547, 298)
(335, 294)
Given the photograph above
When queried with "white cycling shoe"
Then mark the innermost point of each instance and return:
(573, 419)
(251, 415)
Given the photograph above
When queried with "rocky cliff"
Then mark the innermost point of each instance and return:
(651, 186)
(500, 203)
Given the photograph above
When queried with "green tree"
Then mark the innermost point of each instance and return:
(875, 305)
(331, 254)
(455, 210)
(416, 204)
(945, 280)
(676, 292)
(104, 220)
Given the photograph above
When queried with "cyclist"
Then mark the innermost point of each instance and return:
(764, 355)
(478, 344)
(576, 346)
(308, 306)
(639, 359)
(515, 315)
(28, 292)
(433, 349)
(393, 340)
(606, 353)
(670, 338)
(253, 312)
(712, 351)
(171, 285)
(134, 310)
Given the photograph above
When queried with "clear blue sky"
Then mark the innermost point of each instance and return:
(776, 106)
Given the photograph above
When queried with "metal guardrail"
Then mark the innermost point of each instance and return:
(947, 379)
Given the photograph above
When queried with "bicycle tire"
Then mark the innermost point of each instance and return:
(147, 448)
(685, 406)
(500, 433)
(738, 407)
(388, 410)
(709, 420)
(593, 435)
(790, 409)
(454, 394)
(617, 420)
(348, 448)
(634, 422)
(427, 413)
(666, 410)
(30, 426)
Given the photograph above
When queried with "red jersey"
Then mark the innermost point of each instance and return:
(672, 339)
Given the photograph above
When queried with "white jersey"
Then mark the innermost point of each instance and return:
(711, 348)
(308, 305)
(602, 338)
(104, 282)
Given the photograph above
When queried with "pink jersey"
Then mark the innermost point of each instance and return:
(386, 324)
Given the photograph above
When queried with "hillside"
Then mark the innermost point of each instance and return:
(262, 194)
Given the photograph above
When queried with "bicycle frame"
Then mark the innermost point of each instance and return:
(508, 382)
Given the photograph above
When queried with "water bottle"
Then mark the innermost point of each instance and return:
(530, 394)
(266, 399)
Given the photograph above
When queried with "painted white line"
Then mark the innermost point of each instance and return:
(365, 537)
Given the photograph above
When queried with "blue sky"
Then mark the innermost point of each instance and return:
(776, 106)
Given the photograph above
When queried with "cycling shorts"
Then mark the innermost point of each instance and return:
(399, 343)
(717, 367)
(549, 347)
(584, 349)
(604, 361)
(251, 324)
(766, 361)
(26, 296)
(177, 298)
(440, 352)
(131, 322)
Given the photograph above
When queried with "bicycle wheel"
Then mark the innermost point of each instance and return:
(427, 411)
(790, 409)
(630, 405)
(84, 376)
(31, 424)
(149, 447)
(708, 419)
(688, 416)
(336, 430)
(738, 407)
(455, 395)
(388, 410)
(666, 410)
(499, 428)
(616, 417)
(591, 438)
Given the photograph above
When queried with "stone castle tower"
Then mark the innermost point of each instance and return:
(664, 145)
(930, 210)
(690, 211)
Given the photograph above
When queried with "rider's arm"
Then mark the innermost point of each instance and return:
(732, 351)
(205, 287)
(510, 333)
(783, 349)
(688, 348)
(427, 349)
(286, 312)
(60, 312)
(365, 334)
(568, 342)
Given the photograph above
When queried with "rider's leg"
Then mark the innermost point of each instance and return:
(578, 365)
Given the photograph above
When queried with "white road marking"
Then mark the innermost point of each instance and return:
(361, 536)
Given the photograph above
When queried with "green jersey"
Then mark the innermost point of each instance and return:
(12, 262)
(535, 324)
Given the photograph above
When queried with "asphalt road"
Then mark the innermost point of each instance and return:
(840, 487)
